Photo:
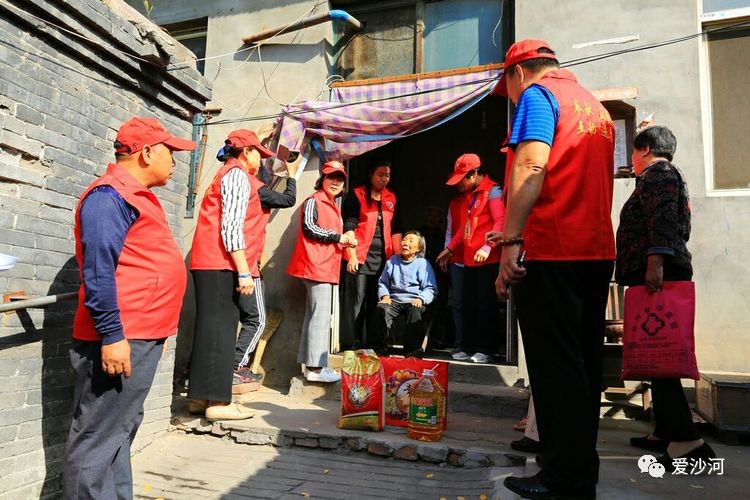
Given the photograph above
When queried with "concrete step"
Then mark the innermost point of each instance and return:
(477, 399)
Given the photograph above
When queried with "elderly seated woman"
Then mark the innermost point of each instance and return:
(406, 285)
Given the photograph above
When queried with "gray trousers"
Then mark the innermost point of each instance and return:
(107, 412)
(314, 341)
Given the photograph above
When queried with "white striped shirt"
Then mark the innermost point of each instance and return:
(235, 194)
(311, 228)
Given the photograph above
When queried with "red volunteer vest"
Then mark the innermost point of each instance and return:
(571, 219)
(368, 219)
(312, 259)
(457, 209)
(208, 251)
(150, 274)
(480, 223)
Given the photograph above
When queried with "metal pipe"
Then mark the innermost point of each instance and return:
(333, 15)
(38, 302)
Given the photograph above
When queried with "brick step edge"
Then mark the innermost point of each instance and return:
(413, 451)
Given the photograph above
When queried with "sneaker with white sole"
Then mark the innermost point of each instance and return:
(326, 375)
(480, 358)
(460, 356)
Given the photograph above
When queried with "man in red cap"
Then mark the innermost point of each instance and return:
(133, 279)
(483, 212)
(559, 182)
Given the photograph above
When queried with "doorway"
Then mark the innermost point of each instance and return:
(420, 166)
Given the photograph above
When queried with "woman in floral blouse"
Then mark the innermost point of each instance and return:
(652, 248)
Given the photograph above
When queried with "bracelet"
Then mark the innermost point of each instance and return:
(513, 240)
(243, 276)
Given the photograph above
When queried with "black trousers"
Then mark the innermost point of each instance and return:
(217, 317)
(481, 322)
(253, 319)
(561, 307)
(674, 422)
(415, 327)
(107, 412)
(358, 294)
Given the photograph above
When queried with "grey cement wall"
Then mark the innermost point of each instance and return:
(295, 67)
(668, 79)
(61, 103)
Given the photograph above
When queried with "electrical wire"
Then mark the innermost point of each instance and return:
(500, 20)
(570, 63)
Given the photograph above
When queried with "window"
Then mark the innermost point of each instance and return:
(414, 36)
(730, 112)
(192, 34)
(726, 61)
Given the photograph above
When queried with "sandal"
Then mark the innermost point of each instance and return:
(521, 425)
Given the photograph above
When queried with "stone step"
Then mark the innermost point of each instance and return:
(463, 371)
(476, 399)
(284, 421)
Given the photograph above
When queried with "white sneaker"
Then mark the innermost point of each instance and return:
(460, 356)
(327, 375)
(480, 358)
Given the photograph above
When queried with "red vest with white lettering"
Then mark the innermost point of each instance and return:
(208, 251)
(312, 259)
(480, 222)
(457, 209)
(571, 219)
(150, 274)
(368, 219)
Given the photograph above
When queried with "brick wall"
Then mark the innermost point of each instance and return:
(62, 100)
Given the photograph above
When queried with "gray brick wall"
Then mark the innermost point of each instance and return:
(61, 103)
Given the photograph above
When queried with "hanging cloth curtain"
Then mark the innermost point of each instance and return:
(364, 117)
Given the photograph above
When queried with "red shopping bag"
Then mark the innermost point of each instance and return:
(400, 374)
(658, 341)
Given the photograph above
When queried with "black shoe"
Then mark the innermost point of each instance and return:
(526, 445)
(649, 444)
(539, 459)
(416, 353)
(703, 452)
(532, 487)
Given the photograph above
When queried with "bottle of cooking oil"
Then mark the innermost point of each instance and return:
(426, 407)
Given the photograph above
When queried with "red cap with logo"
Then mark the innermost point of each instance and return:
(333, 166)
(520, 52)
(465, 164)
(244, 138)
(137, 133)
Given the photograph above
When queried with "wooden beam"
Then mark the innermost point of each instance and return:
(417, 76)
(419, 37)
(616, 94)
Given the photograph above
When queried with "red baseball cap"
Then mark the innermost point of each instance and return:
(465, 164)
(137, 133)
(520, 52)
(244, 138)
(333, 166)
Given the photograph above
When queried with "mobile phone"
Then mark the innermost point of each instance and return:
(521, 258)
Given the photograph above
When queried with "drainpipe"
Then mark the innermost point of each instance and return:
(333, 15)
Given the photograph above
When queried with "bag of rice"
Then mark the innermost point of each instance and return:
(362, 391)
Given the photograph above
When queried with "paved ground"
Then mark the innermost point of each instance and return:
(185, 466)
(190, 466)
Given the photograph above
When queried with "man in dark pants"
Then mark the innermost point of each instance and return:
(133, 280)
(559, 199)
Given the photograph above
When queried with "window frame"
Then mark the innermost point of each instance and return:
(707, 20)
